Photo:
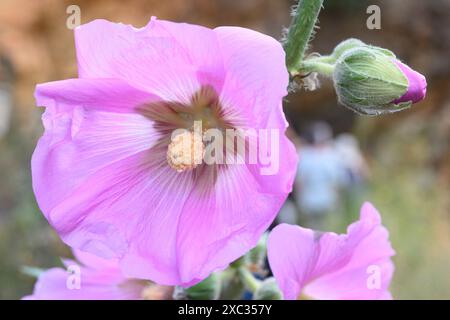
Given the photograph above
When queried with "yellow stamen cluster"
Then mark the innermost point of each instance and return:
(185, 151)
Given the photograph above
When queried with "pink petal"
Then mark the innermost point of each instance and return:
(255, 84)
(52, 285)
(350, 283)
(95, 262)
(278, 181)
(417, 84)
(373, 249)
(104, 272)
(256, 78)
(291, 253)
(80, 138)
(86, 160)
(111, 95)
(224, 217)
(202, 48)
(128, 210)
(168, 59)
(331, 266)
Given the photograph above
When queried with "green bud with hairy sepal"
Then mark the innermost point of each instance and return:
(341, 49)
(208, 289)
(353, 43)
(268, 290)
(368, 81)
(345, 46)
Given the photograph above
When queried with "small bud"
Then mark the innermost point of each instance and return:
(370, 80)
(208, 289)
(268, 290)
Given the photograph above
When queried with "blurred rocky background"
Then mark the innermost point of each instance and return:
(408, 153)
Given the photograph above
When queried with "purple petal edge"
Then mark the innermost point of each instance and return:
(417, 84)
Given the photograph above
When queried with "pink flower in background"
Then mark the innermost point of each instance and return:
(312, 265)
(98, 279)
(101, 173)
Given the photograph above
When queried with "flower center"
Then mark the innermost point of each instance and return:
(185, 151)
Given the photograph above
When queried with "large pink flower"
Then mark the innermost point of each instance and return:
(311, 265)
(98, 279)
(101, 174)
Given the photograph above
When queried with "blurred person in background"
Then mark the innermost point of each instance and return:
(289, 212)
(356, 173)
(320, 175)
(5, 95)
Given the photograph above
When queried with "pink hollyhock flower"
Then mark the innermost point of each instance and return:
(312, 265)
(101, 171)
(99, 279)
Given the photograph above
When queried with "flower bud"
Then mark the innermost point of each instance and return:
(371, 81)
(268, 290)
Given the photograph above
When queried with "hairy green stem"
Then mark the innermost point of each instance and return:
(325, 59)
(249, 279)
(300, 32)
(316, 65)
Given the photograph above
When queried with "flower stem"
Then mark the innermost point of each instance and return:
(315, 65)
(300, 32)
(248, 279)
